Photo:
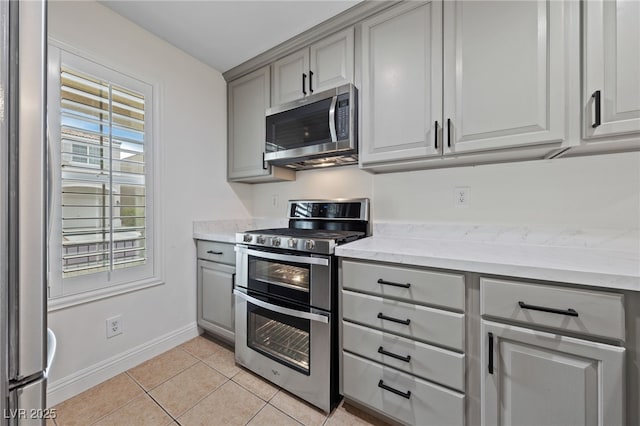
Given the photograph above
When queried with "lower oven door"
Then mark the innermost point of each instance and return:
(289, 346)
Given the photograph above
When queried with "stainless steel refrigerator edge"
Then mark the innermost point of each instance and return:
(23, 214)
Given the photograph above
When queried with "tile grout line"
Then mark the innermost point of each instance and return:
(161, 407)
(286, 414)
(200, 400)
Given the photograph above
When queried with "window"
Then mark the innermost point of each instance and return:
(101, 162)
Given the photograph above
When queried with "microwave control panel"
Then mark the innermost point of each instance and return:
(342, 117)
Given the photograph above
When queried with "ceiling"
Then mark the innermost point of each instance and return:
(224, 34)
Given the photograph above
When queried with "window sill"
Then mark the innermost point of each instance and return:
(64, 302)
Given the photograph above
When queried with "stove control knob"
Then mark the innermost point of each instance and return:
(275, 241)
(309, 244)
(260, 239)
(247, 238)
(293, 243)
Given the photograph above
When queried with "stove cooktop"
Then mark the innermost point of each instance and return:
(309, 240)
(315, 226)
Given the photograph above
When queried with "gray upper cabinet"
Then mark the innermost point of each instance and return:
(290, 77)
(325, 64)
(505, 68)
(401, 90)
(491, 80)
(611, 95)
(248, 99)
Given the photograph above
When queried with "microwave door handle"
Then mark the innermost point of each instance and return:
(332, 119)
(282, 310)
(285, 257)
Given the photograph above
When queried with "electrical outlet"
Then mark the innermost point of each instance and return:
(114, 326)
(461, 196)
(274, 200)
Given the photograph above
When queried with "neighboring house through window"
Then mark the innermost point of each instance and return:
(101, 162)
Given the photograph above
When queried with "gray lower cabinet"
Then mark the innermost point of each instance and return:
(402, 354)
(550, 378)
(215, 289)
(533, 377)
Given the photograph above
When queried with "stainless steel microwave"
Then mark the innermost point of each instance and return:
(317, 131)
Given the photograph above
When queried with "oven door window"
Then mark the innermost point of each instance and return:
(288, 280)
(280, 337)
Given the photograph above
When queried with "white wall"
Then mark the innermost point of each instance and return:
(190, 134)
(584, 192)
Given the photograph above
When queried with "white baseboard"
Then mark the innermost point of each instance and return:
(86, 378)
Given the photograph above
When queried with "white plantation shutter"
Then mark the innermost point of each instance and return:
(102, 132)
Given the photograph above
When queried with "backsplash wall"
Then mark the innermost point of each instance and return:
(584, 192)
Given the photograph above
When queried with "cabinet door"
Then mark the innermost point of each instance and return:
(248, 99)
(612, 67)
(331, 61)
(401, 95)
(544, 379)
(215, 298)
(291, 77)
(505, 65)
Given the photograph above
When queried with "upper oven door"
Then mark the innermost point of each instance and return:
(319, 124)
(300, 278)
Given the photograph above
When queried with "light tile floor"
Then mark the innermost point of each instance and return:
(196, 383)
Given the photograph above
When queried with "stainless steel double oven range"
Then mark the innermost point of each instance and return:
(286, 295)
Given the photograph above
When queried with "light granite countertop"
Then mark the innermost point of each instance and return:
(595, 257)
(225, 230)
(599, 258)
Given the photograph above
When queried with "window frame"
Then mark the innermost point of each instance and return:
(64, 292)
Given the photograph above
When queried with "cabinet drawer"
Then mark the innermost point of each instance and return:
(217, 252)
(427, 287)
(427, 404)
(430, 325)
(598, 313)
(429, 362)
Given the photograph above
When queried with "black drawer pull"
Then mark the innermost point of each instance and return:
(392, 355)
(399, 321)
(435, 132)
(385, 282)
(597, 103)
(215, 252)
(490, 366)
(570, 312)
(406, 394)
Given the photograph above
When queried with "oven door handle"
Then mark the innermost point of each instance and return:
(285, 257)
(282, 310)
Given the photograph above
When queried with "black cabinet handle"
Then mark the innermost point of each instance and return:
(233, 279)
(435, 137)
(310, 81)
(264, 165)
(399, 321)
(385, 282)
(215, 252)
(570, 312)
(406, 394)
(490, 353)
(392, 355)
(304, 83)
(449, 132)
(597, 105)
